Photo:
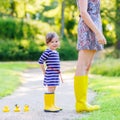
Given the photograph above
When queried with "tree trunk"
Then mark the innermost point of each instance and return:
(117, 24)
(62, 18)
(12, 8)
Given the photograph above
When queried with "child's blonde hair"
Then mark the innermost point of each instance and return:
(50, 36)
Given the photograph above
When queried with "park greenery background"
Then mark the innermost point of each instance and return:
(23, 26)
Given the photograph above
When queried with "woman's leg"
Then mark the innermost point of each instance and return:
(81, 80)
(85, 58)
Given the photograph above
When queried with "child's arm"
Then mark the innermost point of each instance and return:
(43, 68)
(42, 59)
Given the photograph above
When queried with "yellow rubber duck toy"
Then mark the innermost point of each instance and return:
(26, 108)
(6, 109)
(17, 108)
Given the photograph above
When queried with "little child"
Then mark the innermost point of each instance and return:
(51, 74)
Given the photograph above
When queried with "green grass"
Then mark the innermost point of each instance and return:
(10, 75)
(108, 97)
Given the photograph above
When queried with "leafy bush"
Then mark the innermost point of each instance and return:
(30, 50)
(106, 67)
(14, 50)
(12, 28)
(68, 51)
(25, 40)
(114, 53)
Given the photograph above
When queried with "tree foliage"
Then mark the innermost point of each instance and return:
(117, 24)
(32, 19)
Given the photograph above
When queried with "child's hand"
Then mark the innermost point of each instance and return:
(61, 78)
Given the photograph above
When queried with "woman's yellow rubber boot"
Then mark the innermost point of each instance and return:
(49, 103)
(80, 89)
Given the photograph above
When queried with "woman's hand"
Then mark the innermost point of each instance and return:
(100, 38)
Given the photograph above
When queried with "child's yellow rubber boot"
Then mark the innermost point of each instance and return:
(26, 108)
(49, 103)
(17, 108)
(53, 101)
(6, 109)
(80, 89)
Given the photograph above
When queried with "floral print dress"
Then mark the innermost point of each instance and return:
(86, 37)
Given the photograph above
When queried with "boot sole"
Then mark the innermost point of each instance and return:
(52, 111)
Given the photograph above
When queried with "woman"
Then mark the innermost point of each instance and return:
(90, 40)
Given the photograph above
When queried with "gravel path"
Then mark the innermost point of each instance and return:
(31, 92)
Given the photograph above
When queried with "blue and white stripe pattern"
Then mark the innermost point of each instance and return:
(52, 61)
